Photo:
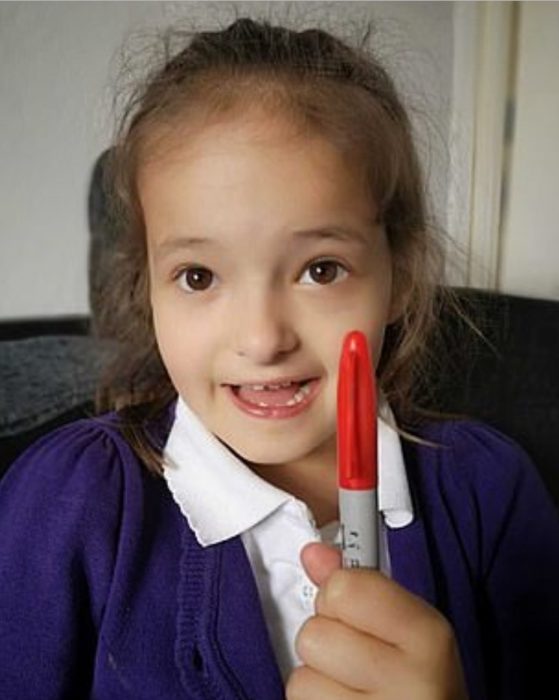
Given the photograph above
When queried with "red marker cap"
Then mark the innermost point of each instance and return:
(357, 416)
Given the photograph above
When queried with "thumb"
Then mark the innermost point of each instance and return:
(320, 561)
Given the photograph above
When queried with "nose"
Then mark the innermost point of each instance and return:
(264, 329)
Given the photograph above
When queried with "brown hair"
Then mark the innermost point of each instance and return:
(324, 87)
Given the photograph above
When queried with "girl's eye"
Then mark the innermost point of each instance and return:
(195, 279)
(324, 272)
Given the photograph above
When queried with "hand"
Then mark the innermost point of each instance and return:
(370, 638)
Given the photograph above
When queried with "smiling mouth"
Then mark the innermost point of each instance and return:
(274, 400)
(285, 394)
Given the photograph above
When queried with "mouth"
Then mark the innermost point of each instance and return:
(274, 400)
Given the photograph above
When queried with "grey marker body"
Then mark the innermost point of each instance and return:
(359, 528)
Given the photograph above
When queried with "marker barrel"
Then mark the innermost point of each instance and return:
(359, 528)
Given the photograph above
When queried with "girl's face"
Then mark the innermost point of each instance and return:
(263, 253)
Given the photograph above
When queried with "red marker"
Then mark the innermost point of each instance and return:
(357, 454)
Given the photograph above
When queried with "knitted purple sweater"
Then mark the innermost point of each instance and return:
(105, 592)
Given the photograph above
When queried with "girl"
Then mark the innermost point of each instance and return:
(269, 201)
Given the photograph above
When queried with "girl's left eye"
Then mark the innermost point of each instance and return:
(324, 272)
(195, 279)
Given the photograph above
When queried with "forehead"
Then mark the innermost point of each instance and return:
(252, 175)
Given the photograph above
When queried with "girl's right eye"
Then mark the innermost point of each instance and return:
(195, 279)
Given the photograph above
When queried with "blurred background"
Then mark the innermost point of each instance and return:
(481, 80)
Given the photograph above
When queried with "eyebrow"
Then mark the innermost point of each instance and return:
(324, 233)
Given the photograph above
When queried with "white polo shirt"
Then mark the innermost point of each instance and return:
(221, 497)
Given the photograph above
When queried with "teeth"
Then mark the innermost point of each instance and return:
(263, 387)
(303, 392)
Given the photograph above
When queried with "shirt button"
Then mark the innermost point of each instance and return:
(308, 594)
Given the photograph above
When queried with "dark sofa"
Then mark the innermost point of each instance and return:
(49, 369)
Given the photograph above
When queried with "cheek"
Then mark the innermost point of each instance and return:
(369, 314)
(174, 340)
(186, 367)
(378, 316)
(376, 342)
(188, 344)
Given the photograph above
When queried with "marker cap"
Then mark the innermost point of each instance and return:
(357, 415)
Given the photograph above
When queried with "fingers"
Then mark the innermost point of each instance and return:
(320, 561)
(369, 601)
(351, 658)
(345, 658)
(307, 684)
(371, 637)
(372, 603)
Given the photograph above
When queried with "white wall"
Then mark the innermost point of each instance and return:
(530, 240)
(55, 86)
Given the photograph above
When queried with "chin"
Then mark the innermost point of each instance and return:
(270, 451)
(264, 455)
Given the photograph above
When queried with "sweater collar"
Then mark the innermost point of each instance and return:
(221, 497)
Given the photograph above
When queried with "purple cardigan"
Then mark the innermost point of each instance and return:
(105, 592)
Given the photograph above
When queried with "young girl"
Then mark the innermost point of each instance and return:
(270, 200)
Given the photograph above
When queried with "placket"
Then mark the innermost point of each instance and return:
(222, 646)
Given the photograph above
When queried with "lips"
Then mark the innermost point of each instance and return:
(285, 394)
(274, 400)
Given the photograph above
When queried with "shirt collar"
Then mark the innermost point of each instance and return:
(221, 497)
